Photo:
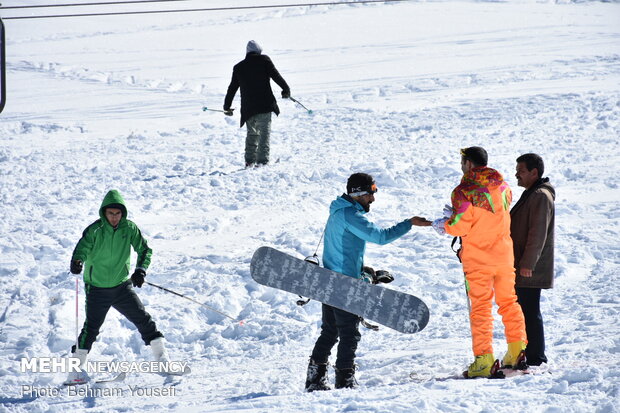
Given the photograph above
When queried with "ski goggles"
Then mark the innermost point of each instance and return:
(359, 191)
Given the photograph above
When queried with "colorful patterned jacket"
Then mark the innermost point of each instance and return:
(481, 218)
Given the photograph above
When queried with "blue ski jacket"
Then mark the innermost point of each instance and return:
(347, 232)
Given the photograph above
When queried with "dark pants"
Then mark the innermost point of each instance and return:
(337, 325)
(257, 139)
(124, 299)
(529, 299)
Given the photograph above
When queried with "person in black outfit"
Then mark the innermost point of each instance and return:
(253, 76)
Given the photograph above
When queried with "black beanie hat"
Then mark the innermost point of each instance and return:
(475, 154)
(361, 184)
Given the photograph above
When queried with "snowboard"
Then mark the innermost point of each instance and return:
(394, 309)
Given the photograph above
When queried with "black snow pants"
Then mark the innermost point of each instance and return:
(529, 299)
(124, 299)
(337, 325)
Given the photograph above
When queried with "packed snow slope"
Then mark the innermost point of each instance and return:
(396, 89)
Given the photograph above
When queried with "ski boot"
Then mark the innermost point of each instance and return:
(160, 354)
(515, 356)
(159, 350)
(78, 377)
(316, 378)
(484, 366)
(345, 378)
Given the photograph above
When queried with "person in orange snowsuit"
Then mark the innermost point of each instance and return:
(480, 216)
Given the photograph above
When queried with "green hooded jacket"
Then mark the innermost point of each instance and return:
(105, 251)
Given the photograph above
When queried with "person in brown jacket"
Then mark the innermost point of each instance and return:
(532, 232)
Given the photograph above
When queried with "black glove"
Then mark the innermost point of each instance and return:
(137, 278)
(76, 266)
(376, 277)
(382, 276)
(286, 94)
(368, 270)
(228, 112)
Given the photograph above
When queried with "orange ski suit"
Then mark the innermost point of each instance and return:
(481, 218)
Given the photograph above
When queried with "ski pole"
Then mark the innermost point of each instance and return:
(204, 109)
(192, 300)
(77, 292)
(300, 104)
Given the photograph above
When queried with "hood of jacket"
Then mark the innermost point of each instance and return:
(483, 176)
(476, 187)
(544, 183)
(345, 201)
(113, 197)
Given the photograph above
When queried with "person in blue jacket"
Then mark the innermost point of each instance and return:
(346, 234)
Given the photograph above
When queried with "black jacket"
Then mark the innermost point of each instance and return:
(253, 76)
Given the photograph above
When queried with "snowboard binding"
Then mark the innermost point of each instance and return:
(312, 259)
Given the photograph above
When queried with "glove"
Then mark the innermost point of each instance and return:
(375, 277)
(382, 276)
(438, 225)
(76, 266)
(368, 275)
(447, 211)
(286, 94)
(137, 278)
(228, 112)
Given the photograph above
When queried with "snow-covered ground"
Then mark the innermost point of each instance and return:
(396, 89)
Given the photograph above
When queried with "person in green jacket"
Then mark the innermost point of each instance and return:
(103, 253)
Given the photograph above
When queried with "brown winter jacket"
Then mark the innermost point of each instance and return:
(532, 232)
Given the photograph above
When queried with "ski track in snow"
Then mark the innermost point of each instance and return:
(397, 106)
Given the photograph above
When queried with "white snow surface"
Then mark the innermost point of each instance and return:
(102, 103)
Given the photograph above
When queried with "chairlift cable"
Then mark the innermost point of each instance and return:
(88, 4)
(274, 6)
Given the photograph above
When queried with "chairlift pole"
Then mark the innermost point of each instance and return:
(2, 67)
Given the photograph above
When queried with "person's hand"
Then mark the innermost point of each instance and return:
(383, 276)
(448, 210)
(228, 112)
(368, 275)
(376, 277)
(76, 266)
(438, 225)
(286, 94)
(420, 222)
(525, 272)
(137, 278)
